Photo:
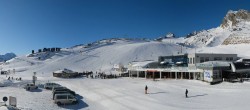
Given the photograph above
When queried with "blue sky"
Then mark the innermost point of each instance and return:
(32, 24)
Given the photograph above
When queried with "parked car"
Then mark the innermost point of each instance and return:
(60, 92)
(57, 88)
(30, 86)
(65, 98)
(66, 89)
(51, 85)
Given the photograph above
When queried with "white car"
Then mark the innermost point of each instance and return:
(51, 85)
(65, 98)
(30, 86)
(58, 88)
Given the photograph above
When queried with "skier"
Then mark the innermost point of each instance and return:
(186, 93)
(146, 89)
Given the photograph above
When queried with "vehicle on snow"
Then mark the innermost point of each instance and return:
(57, 88)
(65, 98)
(65, 89)
(51, 85)
(30, 86)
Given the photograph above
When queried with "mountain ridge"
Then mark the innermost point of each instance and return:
(7, 56)
(102, 55)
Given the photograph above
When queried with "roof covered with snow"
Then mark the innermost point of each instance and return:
(214, 64)
(64, 71)
(139, 64)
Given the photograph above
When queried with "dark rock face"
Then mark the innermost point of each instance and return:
(234, 17)
(7, 56)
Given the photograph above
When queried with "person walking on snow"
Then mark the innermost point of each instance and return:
(146, 89)
(186, 93)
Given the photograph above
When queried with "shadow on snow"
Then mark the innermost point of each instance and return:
(35, 90)
(157, 93)
(80, 105)
(197, 95)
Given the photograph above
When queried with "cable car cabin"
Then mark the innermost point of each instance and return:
(237, 72)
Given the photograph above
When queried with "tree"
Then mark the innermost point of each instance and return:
(44, 49)
(39, 50)
(53, 49)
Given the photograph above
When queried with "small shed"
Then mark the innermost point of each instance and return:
(65, 73)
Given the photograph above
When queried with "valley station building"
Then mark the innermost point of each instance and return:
(209, 67)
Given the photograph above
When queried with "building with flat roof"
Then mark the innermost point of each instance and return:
(209, 67)
(196, 58)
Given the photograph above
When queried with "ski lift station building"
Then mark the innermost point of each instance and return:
(209, 67)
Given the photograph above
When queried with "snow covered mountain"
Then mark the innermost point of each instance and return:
(98, 56)
(235, 29)
(232, 36)
(7, 56)
(167, 36)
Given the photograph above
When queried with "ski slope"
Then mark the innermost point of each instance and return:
(127, 93)
(100, 57)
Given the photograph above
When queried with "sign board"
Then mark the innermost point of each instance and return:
(5, 99)
(12, 101)
(208, 75)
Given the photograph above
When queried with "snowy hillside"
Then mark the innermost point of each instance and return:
(235, 29)
(100, 56)
(104, 54)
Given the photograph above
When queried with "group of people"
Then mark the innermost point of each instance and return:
(146, 91)
(12, 78)
(101, 75)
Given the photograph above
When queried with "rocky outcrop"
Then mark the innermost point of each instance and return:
(7, 56)
(170, 35)
(234, 17)
(237, 39)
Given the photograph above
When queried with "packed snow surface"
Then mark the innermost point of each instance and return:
(128, 94)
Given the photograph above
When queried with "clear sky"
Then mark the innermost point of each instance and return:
(34, 24)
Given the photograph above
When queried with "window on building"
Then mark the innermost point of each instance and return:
(190, 60)
(193, 61)
(217, 58)
(231, 58)
(207, 59)
(227, 59)
(202, 60)
(215, 75)
(220, 75)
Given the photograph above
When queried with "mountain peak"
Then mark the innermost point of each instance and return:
(170, 35)
(233, 18)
